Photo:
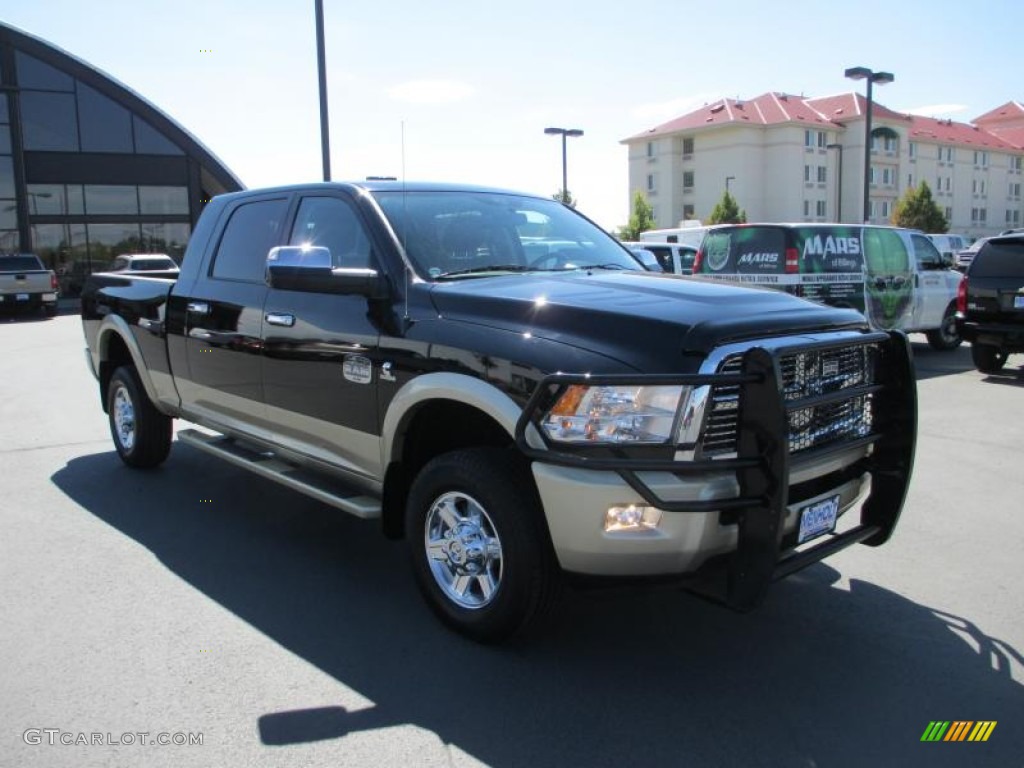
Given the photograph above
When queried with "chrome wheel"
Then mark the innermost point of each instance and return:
(463, 550)
(124, 418)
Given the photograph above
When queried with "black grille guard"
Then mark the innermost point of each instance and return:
(763, 461)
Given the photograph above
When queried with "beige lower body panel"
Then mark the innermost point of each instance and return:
(575, 502)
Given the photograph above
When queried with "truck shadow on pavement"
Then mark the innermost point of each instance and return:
(825, 673)
(930, 363)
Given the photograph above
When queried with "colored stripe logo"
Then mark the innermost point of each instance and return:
(958, 730)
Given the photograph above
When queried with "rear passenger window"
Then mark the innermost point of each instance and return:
(1002, 260)
(253, 229)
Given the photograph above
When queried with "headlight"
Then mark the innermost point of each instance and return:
(615, 414)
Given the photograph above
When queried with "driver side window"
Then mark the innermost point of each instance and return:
(928, 256)
(331, 223)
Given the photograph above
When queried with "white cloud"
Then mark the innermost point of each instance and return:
(431, 91)
(663, 111)
(934, 110)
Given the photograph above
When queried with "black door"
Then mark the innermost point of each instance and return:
(320, 351)
(224, 318)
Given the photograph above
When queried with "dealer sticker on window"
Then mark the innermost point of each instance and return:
(818, 518)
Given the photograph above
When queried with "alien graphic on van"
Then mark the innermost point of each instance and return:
(889, 281)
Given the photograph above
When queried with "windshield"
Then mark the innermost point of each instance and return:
(452, 234)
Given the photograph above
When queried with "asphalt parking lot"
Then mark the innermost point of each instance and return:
(198, 599)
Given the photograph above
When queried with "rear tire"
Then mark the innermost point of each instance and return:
(50, 310)
(946, 336)
(479, 544)
(987, 359)
(142, 435)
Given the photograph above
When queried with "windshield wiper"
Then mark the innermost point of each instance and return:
(599, 266)
(488, 268)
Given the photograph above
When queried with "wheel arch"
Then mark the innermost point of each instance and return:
(116, 346)
(433, 414)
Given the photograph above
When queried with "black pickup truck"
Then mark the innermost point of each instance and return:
(990, 305)
(497, 380)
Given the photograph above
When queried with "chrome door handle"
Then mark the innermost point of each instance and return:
(199, 307)
(281, 318)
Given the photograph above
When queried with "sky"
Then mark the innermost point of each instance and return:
(461, 90)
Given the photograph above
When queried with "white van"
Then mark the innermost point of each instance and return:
(896, 277)
(949, 245)
(673, 258)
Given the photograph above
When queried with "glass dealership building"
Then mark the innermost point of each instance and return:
(88, 168)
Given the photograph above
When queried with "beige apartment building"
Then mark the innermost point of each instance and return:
(792, 158)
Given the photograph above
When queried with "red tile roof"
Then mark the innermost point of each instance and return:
(1003, 127)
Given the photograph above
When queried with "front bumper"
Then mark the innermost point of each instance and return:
(729, 525)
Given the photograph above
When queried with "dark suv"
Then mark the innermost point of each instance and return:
(990, 305)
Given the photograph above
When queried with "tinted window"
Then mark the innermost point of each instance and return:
(32, 73)
(926, 253)
(4, 118)
(109, 240)
(48, 121)
(8, 214)
(105, 125)
(148, 141)
(999, 260)
(19, 263)
(163, 200)
(331, 223)
(6, 177)
(253, 229)
(53, 199)
(5, 140)
(165, 237)
(103, 198)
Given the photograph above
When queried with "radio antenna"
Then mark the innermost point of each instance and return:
(405, 225)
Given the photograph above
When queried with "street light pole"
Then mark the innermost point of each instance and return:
(863, 73)
(839, 182)
(321, 63)
(563, 132)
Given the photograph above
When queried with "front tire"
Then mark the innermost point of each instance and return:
(988, 359)
(142, 435)
(480, 548)
(946, 336)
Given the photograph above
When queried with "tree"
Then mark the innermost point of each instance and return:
(727, 211)
(918, 210)
(640, 220)
(565, 196)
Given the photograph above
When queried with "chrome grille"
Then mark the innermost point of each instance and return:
(805, 374)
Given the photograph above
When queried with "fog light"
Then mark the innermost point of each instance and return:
(631, 517)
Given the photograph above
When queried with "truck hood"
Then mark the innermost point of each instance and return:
(647, 321)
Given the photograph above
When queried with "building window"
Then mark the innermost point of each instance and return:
(149, 141)
(885, 209)
(105, 125)
(163, 200)
(821, 174)
(822, 139)
(105, 199)
(871, 175)
(888, 176)
(978, 215)
(49, 121)
(687, 179)
(650, 149)
(650, 182)
(688, 146)
(1015, 163)
(910, 181)
(808, 138)
(1015, 191)
(807, 173)
(871, 209)
(807, 208)
(890, 143)
(37, 75)
(980, 158)
(821, 209)
(912, 149)
(949, 214)
(949, 183)
(688, 211)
